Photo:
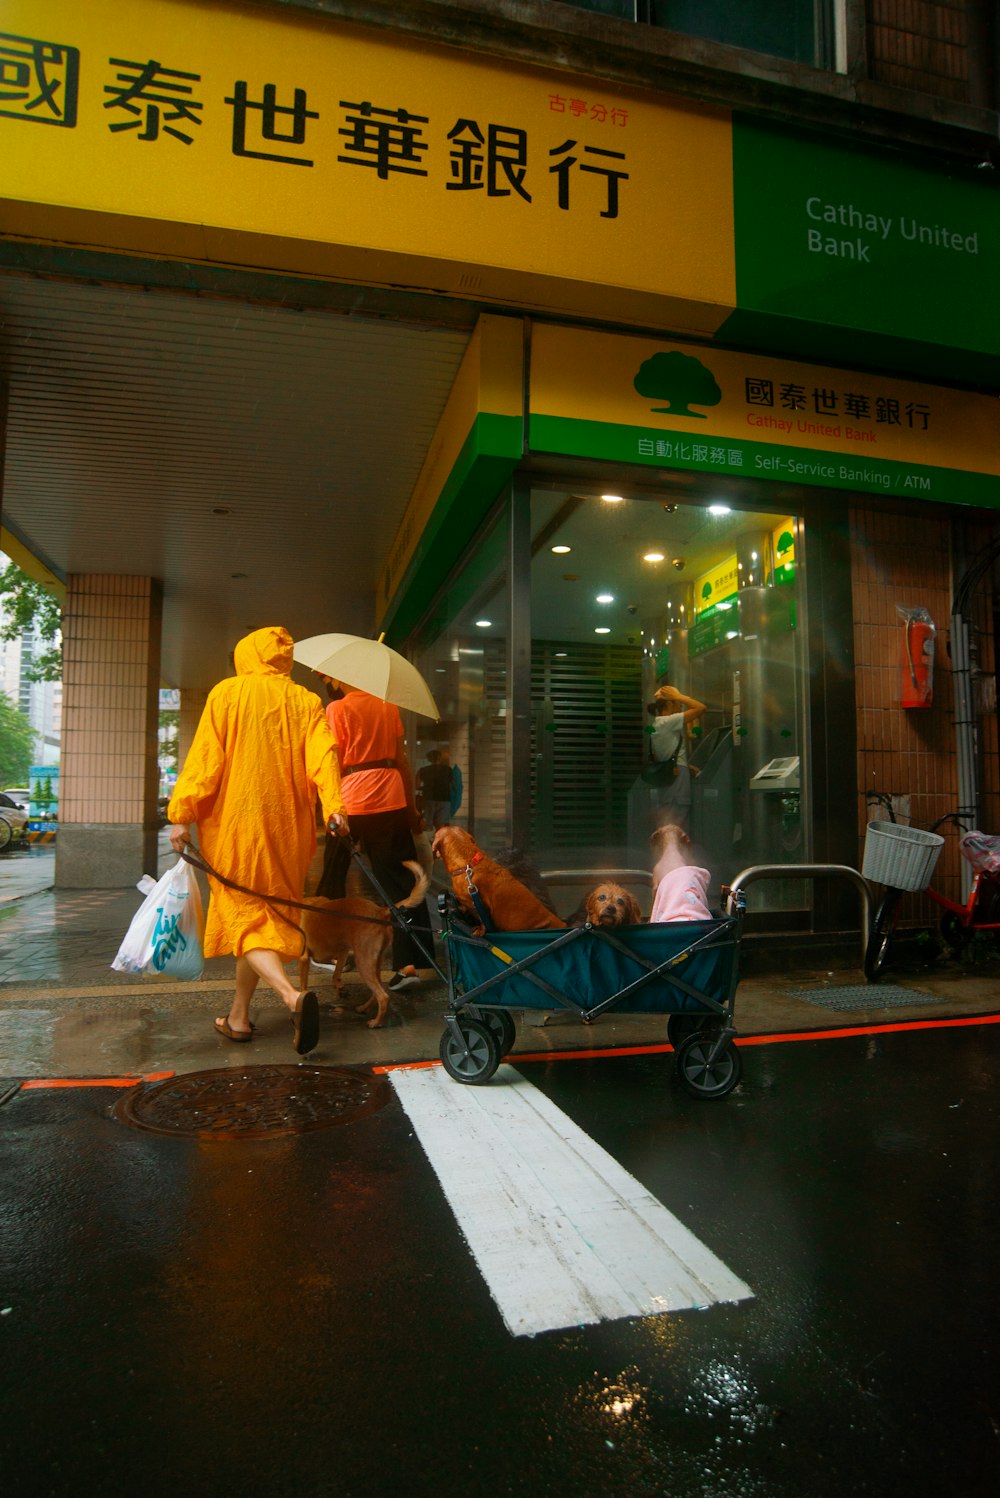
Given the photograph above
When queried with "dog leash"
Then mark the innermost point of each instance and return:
(470, 883)
(198, 860)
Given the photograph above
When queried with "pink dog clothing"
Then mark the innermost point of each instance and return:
(681, 896)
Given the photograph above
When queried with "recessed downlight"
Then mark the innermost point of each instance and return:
(602, 629)
(484, 623)
(605, 598)
(561, 551)
(613, 499)
(653, 556)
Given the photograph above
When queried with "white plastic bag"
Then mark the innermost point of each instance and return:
(166, 931)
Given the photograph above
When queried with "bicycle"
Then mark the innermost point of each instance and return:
(959, 922)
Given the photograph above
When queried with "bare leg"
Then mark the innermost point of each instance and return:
(246, 982)
(269, 966)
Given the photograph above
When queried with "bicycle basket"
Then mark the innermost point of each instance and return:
(903, 857)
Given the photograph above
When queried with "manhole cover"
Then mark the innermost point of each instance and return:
(256, 1103)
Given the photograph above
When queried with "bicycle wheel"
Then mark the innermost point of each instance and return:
(880, 936)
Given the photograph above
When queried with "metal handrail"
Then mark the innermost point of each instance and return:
(815, 871)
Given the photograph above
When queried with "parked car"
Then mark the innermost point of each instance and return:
(13, 822)
(19, 794)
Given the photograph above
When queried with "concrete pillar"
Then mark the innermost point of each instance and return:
(192, 707)
(108, 771)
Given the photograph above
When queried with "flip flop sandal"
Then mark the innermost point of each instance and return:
(224, 1028)
(305, 1019)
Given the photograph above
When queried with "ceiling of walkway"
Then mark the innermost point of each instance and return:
(255, 458)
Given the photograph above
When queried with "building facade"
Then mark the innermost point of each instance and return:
(712, 292)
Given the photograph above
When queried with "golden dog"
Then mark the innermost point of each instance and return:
(334, 929)
(512, 907)
(609, 905)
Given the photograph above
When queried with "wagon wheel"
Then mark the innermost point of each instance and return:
(475, 1057)
(706, 1075)
(680, 1026)
(503, 1028)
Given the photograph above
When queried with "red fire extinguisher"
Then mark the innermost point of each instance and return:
(918, 657)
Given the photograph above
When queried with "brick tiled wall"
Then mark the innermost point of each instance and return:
(111, 654)
(922, 45)
(192, 707)
(896, 559)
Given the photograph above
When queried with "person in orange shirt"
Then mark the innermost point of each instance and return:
(261, 754)
(378, 792)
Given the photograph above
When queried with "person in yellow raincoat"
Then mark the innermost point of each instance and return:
(262, 752)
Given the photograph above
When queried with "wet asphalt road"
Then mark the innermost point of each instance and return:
(301, 1316)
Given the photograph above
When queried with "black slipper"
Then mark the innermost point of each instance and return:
(305, 1018)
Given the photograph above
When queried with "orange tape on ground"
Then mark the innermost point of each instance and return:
(38, 1084)
(741, 1040)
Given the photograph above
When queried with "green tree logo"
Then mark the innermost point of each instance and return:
(678, 379)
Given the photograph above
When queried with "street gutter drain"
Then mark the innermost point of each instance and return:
(255, 1102)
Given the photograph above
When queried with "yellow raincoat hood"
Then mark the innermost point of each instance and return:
(267, 650)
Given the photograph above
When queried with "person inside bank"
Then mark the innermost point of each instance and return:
(668, 774)
(435, 789)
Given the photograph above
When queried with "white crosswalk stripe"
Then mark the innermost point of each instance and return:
(561, 1233)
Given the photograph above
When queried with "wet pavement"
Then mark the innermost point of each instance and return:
(300, 1314)
(63, 1012)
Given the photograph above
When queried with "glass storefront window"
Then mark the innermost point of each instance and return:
(463, 660)
(798, 29)
(790, 28)
(628, 595)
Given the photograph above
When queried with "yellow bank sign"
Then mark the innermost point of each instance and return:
(717, 586)
(670, 405)
(283, 140)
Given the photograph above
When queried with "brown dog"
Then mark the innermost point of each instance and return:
(609, 905)
(334, 929)
(512, 907)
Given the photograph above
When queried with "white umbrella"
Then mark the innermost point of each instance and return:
(370, 665)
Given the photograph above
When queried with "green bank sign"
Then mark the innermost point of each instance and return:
(864, 257)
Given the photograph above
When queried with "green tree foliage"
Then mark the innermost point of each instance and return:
(169, 724)
(26, 603)
(17, 741)
(680, 380)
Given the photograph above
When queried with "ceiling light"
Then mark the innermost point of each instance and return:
(602, 629)
(720, 509)
(484, 623)
(561, 654)
(561, 551)
(613, 499)
(605, 598)
(653, 556)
